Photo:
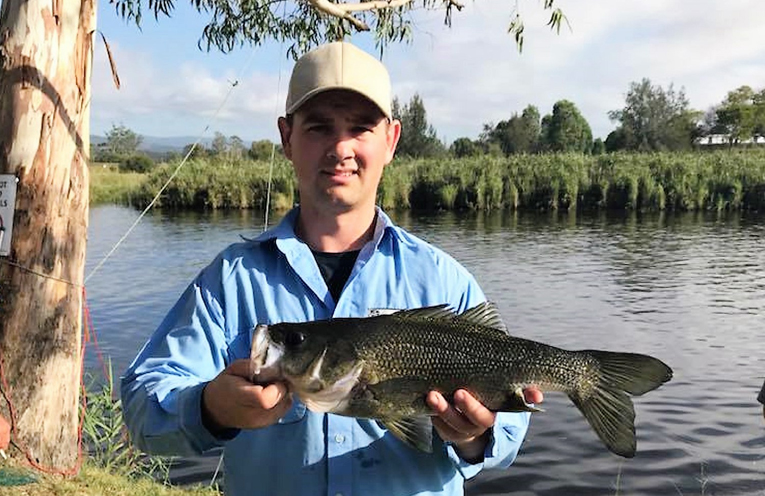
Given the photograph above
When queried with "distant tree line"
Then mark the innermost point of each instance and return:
(233, 148)
(652, 119)
(122, 147)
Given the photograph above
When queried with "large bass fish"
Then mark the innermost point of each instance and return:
(383, 367)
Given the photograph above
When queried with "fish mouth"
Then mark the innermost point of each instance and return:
(265, 357)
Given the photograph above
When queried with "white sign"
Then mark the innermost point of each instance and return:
(7, 206)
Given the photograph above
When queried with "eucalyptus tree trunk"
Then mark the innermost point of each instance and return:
(46, 52)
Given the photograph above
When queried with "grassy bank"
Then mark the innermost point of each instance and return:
(111, 465)
(721, 180)
(108, 185)
(96, 481)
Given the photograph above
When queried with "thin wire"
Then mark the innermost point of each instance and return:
(217, 470)
(177, 169)
(39, 274)
(273, 147)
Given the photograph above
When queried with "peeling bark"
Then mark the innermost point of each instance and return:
(46, 50)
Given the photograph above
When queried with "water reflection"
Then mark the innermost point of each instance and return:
(688, 288)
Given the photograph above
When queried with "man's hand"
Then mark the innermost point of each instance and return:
(232, 401)
(466, 423)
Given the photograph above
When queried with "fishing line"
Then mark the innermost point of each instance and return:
(273, 147)
(212, 121)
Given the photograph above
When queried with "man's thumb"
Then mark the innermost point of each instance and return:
(242, 368)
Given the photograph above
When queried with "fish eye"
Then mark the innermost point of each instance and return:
(294, 339)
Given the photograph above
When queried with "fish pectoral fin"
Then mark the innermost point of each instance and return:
(516, 402)
(417, 431)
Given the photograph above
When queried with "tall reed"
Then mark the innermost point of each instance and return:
(718, 180)
(105, 437)
(220, 184)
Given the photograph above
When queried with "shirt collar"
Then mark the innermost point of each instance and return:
(285, 229)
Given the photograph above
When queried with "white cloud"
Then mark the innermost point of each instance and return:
(182, 99)
(472, 73)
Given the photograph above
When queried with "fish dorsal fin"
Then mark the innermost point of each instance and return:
(485, 314)
(416, 432)
(436, 312)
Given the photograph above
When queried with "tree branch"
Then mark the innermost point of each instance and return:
(343, 10)
(374, 5)
(336, 10)
(456, 4)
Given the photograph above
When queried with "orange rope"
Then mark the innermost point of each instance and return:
(88, 331)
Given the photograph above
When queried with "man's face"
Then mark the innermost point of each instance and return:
(338, 142)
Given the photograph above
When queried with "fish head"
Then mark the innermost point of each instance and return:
(319, 366)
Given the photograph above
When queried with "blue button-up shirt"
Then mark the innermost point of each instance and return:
(274, 278)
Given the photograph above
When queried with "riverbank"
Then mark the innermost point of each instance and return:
(91, 481)
(719, 180)
(110, 465)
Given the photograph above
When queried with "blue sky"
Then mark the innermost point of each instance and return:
(467, 75)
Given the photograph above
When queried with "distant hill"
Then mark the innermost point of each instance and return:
(160, 145)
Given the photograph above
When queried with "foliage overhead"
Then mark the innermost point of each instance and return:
(308, 23)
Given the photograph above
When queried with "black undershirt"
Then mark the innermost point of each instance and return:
(335, 268)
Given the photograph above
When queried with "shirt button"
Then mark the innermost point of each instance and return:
(338, 494)
(339, 438)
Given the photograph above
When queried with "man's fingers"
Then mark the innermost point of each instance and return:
(271, 395)
(533, 395)
(436, 402)
(453, 424)
(475, 412)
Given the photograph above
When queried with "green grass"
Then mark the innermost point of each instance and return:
(108, 185)
(104, 433)
(98, 481)
(111, 465)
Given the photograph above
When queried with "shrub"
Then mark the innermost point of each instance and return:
(137, 163)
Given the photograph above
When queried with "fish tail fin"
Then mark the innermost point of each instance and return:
(607, 405)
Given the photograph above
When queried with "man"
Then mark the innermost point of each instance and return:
(761, 399)
(336, 255)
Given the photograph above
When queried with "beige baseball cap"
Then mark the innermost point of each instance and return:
(339, 66)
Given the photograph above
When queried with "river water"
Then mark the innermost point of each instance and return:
(687, 288)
